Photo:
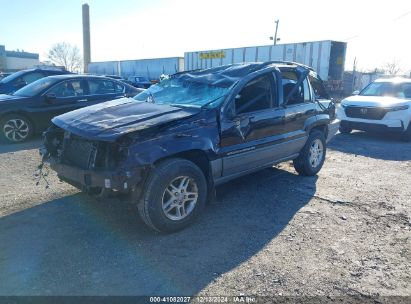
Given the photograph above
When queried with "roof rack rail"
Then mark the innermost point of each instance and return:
(289, 63)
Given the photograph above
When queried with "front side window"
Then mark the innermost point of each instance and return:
(255, 96)
(70, 88)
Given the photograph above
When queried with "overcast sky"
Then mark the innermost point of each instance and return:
(377, 31)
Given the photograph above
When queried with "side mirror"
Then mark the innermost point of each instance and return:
(50, 98)
(356, 92)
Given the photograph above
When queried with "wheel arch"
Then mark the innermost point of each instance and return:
(196, 156)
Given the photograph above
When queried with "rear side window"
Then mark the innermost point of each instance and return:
(256, 95)
(102, 86)
(300, 95)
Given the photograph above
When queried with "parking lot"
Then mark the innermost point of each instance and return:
(345, 231)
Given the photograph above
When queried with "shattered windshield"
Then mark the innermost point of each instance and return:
(184, 93)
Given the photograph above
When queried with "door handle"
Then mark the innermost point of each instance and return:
(80, 100)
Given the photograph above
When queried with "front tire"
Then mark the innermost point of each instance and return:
(175, 195)
(15, 128)
(312, 156)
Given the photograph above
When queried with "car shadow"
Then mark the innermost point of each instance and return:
(80, 246)
(33, 143)
(385, 146)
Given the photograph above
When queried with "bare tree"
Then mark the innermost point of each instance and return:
(67, 55)
(392, 68)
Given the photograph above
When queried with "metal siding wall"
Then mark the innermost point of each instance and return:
(289, 52)
(300, 53)
(228, 59)
(238, 55)
(103, 68)
(277, 52)
(250, 54)
(325, 59)
(264, 53)
(314, 57)
(151, 68)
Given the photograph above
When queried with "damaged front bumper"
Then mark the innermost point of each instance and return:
(86, 179)
(333, 127)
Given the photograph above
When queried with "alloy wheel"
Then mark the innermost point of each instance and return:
(16, 130)
(180, 198)
(316, 153)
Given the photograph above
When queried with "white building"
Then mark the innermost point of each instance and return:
(11, 61)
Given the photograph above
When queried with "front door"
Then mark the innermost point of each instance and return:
(101, 90)
(64, 97)
(252, 128)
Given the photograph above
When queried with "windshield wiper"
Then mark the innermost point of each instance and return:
(211, 101)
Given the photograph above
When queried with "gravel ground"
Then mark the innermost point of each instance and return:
(343, 232)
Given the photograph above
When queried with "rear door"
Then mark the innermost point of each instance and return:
(63, 97)
(298, 105)
(100, 90)
(252, 127)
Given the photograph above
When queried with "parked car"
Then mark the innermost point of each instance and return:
(114, 77)
(30, 109)
(22, 78)
(384, 105)
(174, 142)
(140, 82)
(3, 75)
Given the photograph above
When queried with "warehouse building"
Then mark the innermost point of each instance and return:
(148, 68)
(327, 57)
(12, 61)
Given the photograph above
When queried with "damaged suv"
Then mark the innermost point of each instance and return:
(169, 146)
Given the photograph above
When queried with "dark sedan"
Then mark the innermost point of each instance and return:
(140, 82)
(18, 80)
(30, 109)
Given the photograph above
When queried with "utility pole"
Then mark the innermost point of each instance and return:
(86, 37)
(354, 68)
(276, 30)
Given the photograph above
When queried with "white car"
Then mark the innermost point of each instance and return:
(383, 105)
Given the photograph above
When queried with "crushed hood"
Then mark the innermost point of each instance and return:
(373, 101)
(109, 120)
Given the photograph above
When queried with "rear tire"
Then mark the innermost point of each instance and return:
(312, 156)
(344, 129)
(15, 128)
(175, 195)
